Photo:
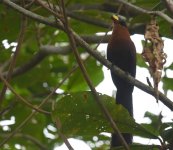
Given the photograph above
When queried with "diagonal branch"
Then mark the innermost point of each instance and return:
(23, 100)
(123, 74)
(28, 138)
(63, 137)
(141, 10)
(88, 80)
(74, 15)
(140, 28)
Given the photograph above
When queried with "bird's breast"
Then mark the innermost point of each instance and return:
(122, 52)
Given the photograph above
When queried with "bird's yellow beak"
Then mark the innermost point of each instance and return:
(114, 17)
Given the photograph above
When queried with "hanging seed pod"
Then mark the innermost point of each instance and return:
(153, 53)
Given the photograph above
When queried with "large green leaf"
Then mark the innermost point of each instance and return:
(81, 116)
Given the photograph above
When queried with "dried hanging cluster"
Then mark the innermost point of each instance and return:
(153, 52)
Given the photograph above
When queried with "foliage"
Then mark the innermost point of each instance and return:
(38, 71)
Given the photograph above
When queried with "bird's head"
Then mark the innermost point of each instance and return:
(118, 20)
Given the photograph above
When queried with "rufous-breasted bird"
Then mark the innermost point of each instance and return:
(121, 52)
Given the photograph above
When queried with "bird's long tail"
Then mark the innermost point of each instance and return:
(123, 97)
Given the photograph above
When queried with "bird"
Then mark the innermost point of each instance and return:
(121, 52)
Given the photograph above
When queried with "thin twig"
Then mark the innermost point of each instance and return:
(30, 138)
(7, 108)
(16, 53)
(63, 137)
(23, 100)
(139, 9)
(148, 81)
(88, 80)
(80, 17)
(33, 15)
(48, 8)
(119, 9)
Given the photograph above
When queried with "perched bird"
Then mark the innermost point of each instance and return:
(121, 52)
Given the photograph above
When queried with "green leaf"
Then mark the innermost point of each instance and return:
(10, 23)
(167, 135)
(155, 119)
(77, 82)
(156, 123)
(170, 67)
(166, 132)
(80, 115)
(167, 83)
(165, 29)
(140, 61)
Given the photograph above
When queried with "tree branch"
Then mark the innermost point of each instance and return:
(141, 10)
(135, 29)
(169, 5)
(107, 6)
(88, 80)
(77, 16)
(44, 52)
(47, 50)
(34, 140)
(123, 74)
(28, 138)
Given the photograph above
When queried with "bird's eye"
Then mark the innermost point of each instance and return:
(123, 23)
